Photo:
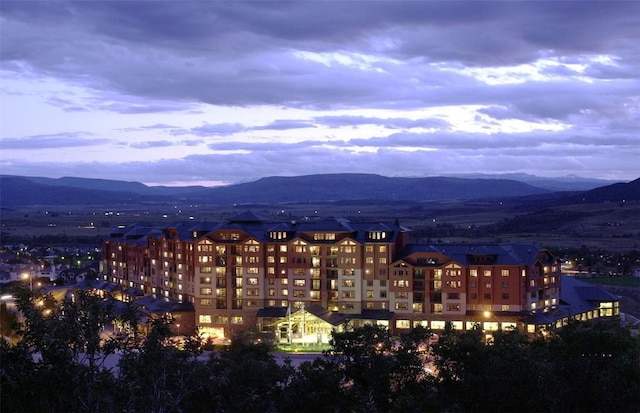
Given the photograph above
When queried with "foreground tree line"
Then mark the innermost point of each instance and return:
(59, 364)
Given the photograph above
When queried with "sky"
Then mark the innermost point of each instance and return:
(222, 92)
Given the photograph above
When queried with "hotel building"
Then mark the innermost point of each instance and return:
(251, 272)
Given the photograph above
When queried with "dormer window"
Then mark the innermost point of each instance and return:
(377, 235)
(277, 235)
(324, 236)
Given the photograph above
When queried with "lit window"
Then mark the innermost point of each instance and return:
(205, 319)
(438, 325)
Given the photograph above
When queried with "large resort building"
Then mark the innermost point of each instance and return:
(317, 275)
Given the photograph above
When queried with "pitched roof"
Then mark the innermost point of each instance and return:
(583, 296)
(326, 315)
(248, 216)
(158, 304)
(501, 254)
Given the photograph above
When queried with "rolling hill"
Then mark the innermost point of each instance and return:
(15, 190)
(19, 190)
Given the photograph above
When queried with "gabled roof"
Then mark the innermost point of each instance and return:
(97, 285)
(380, 227)
(248, 216)
(259, 227)
(325, 315)
(315, 310)
(280, 226)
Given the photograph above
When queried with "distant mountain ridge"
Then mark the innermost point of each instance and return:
(21, 190)
(565, 183)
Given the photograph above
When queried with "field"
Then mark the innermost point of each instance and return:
(609, 227)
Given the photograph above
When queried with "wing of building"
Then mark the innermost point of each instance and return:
(249, 271)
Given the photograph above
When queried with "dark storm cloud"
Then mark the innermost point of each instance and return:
(237, 53)
(574, 65)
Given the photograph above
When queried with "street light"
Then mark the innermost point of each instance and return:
(28, 275)
(489, 314)
(489, 337)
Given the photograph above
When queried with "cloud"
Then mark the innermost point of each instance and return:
(63, 140)
(393, 87)
(218, 129)
(285, 125)
(391, 123)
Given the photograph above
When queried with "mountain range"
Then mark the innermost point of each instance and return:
(23, 190)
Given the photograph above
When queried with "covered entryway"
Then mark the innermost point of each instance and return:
(310, 325)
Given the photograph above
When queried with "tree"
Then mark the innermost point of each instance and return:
(8, 322)
(380, 372)
(157, 376)
(500, 376)
(60, 349)
(596, 368)
(244, 377)
(318, 386)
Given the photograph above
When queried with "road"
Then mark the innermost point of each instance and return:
(296, 358)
